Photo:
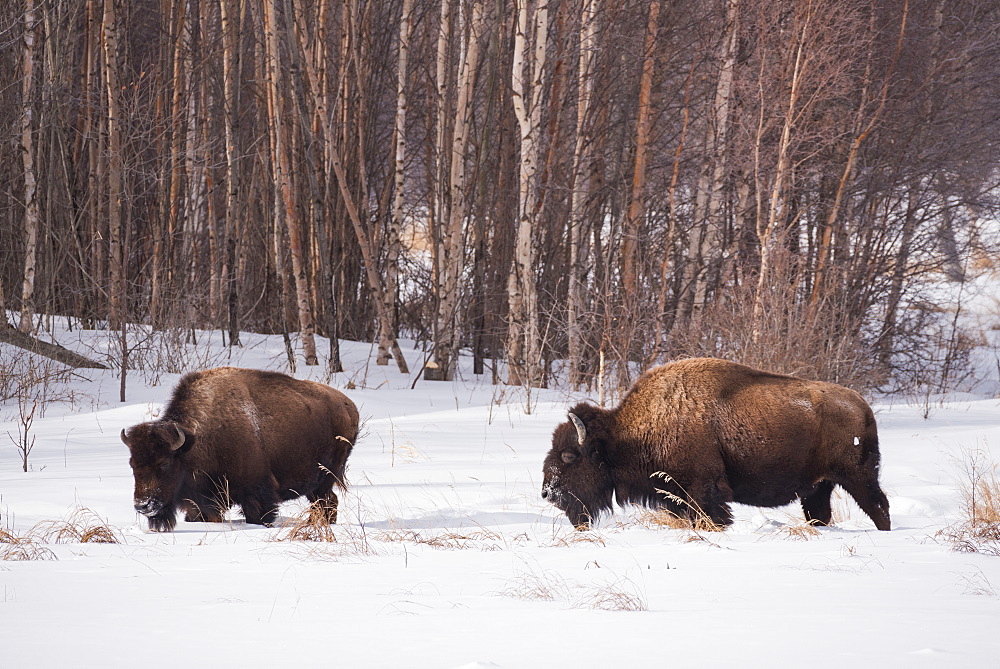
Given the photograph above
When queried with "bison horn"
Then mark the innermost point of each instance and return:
(123, 437)
(180, 438)
(581, 429)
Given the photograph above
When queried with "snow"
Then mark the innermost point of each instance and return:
(446, 555)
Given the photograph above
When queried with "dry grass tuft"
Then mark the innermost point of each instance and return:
(670, 520)
(532, 585)
(481, 539)
(567, 538)
(82, 527)
(311, 524)
(979, 529)
(14, 548)
(800, 531)
(619, 595)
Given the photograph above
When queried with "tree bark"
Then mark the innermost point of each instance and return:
(31, 214)
(278, 110)
(524, 345)
(387, 324)
(636, 208)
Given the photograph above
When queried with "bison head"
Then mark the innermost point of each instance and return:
(576, 475)
(157, 449)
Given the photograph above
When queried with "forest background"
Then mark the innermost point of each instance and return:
(580, 188)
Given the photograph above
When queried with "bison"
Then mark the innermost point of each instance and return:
(694, 435)
(245, 437)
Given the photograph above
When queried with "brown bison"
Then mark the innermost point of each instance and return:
(241, 436)
(709, 432)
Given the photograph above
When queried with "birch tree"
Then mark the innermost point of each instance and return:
(528, 68)
(387, 324)
(282, 169)
(582, 149)
(454, 210)
(31, 216)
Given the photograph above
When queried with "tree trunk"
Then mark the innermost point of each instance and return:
(578, 234)
(284, 191)
(231, 13)
(636, 208)
(387, 324)
(524, 345)
(31, 215)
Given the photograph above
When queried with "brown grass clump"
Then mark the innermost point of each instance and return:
(670, 520)
(15, 548)
(83, 526)
(979, 529)
(800, 531)
(311, 524)
(574, 536)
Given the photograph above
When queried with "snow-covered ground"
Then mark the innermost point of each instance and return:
(446, 555)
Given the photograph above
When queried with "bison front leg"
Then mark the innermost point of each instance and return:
(712, 507)
(872, 501)
(256, 512)
(816, 504)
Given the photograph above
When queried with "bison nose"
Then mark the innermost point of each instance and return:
(146, 506)
(545, 494)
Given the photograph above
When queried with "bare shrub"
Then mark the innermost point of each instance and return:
(173, 350)
(978, 531)
(33, 377)
(781, 331)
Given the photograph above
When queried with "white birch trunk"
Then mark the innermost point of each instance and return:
(307, 324)
(524, 345)
(31, 216)
(387, 324)
(580, 192)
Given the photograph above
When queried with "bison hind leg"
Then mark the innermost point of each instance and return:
(816, 504)
(324, 501)
(325, 507)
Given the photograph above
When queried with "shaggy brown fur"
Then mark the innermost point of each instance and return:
(241, 436)
(722, 433)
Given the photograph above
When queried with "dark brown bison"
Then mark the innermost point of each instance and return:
(719, 432)
(241, 436)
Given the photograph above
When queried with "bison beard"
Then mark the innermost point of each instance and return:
(717, 432)
(241, 437)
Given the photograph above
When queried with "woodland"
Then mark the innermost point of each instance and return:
(572, 189)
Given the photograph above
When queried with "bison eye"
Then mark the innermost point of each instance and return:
(568, 456)
(164, 466)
